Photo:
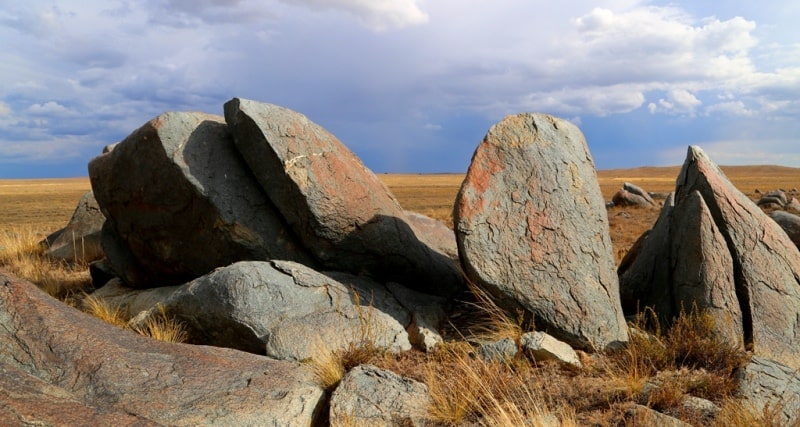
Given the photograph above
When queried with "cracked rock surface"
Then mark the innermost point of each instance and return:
(532, 230)
(717, 250)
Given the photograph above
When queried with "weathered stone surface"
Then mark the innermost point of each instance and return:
(427, 315)
(541, 347)
(180, 202)
(80, 239)
(778, 195)
(770, 202)
(498, 351)
(701, 409)
(101, 374)
(26, 400)
(639, 191)
(340, 210)
(626, 198)
(436, 233)
(532, 230)
(790, 223)
(370, 396)
(286, 310)
(766, 383)
(717, 249)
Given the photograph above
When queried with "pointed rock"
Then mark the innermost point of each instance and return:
(718, 250)
(340, 210)
(532, 230)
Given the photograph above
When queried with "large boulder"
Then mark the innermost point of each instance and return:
(180, 202)
(80, 239)
(532, 230)
(626, 198)
(282, 309)
(339, 209)
(639, 191)
(717, 251)
(83, 371)
(370, 396)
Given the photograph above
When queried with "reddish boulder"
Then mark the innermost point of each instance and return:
(83, 371)
(532, 230)
(337, 207)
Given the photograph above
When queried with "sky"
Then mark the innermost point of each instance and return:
(408, 85)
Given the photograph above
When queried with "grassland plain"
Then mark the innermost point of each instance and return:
(467, 390)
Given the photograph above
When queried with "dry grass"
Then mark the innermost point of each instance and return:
(685, 359)
(161, 327)
(22, 254)
(104, 311)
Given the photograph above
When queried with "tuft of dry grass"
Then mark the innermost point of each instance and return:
(489, 322)
(162, 327)
(23, 255)
(104, 311)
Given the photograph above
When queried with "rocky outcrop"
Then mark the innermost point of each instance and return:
(286, 311)
(337, 207)
(436, 233)
(179, 202)
(80, 239)
(716, 250)
(532, 230)
(371, 396)
(83, 371)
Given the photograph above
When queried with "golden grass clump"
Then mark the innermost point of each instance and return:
(104, 311)
(162, 327)
(23, 255)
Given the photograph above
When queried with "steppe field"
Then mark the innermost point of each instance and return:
(47, 204)
(688, 359)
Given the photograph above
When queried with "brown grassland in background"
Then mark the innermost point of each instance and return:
(466, 389)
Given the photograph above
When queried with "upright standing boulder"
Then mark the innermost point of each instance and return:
(340, 210)
(532, 230)
(718, 251)
(180, 202)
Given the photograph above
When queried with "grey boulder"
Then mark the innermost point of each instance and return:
(790, 223)
(179, 202)
(532, 230)
(286, 311)
(764, 383)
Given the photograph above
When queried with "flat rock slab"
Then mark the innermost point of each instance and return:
(340, 210)
(180, 202)
(100, 374)
(532, 230)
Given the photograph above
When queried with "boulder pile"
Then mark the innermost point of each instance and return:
(273, 243)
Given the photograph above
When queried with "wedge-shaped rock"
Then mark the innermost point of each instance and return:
(532, 230)
(286, 310)
(98, 374)
(718, 250)
(180, 202)
(340, 210)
